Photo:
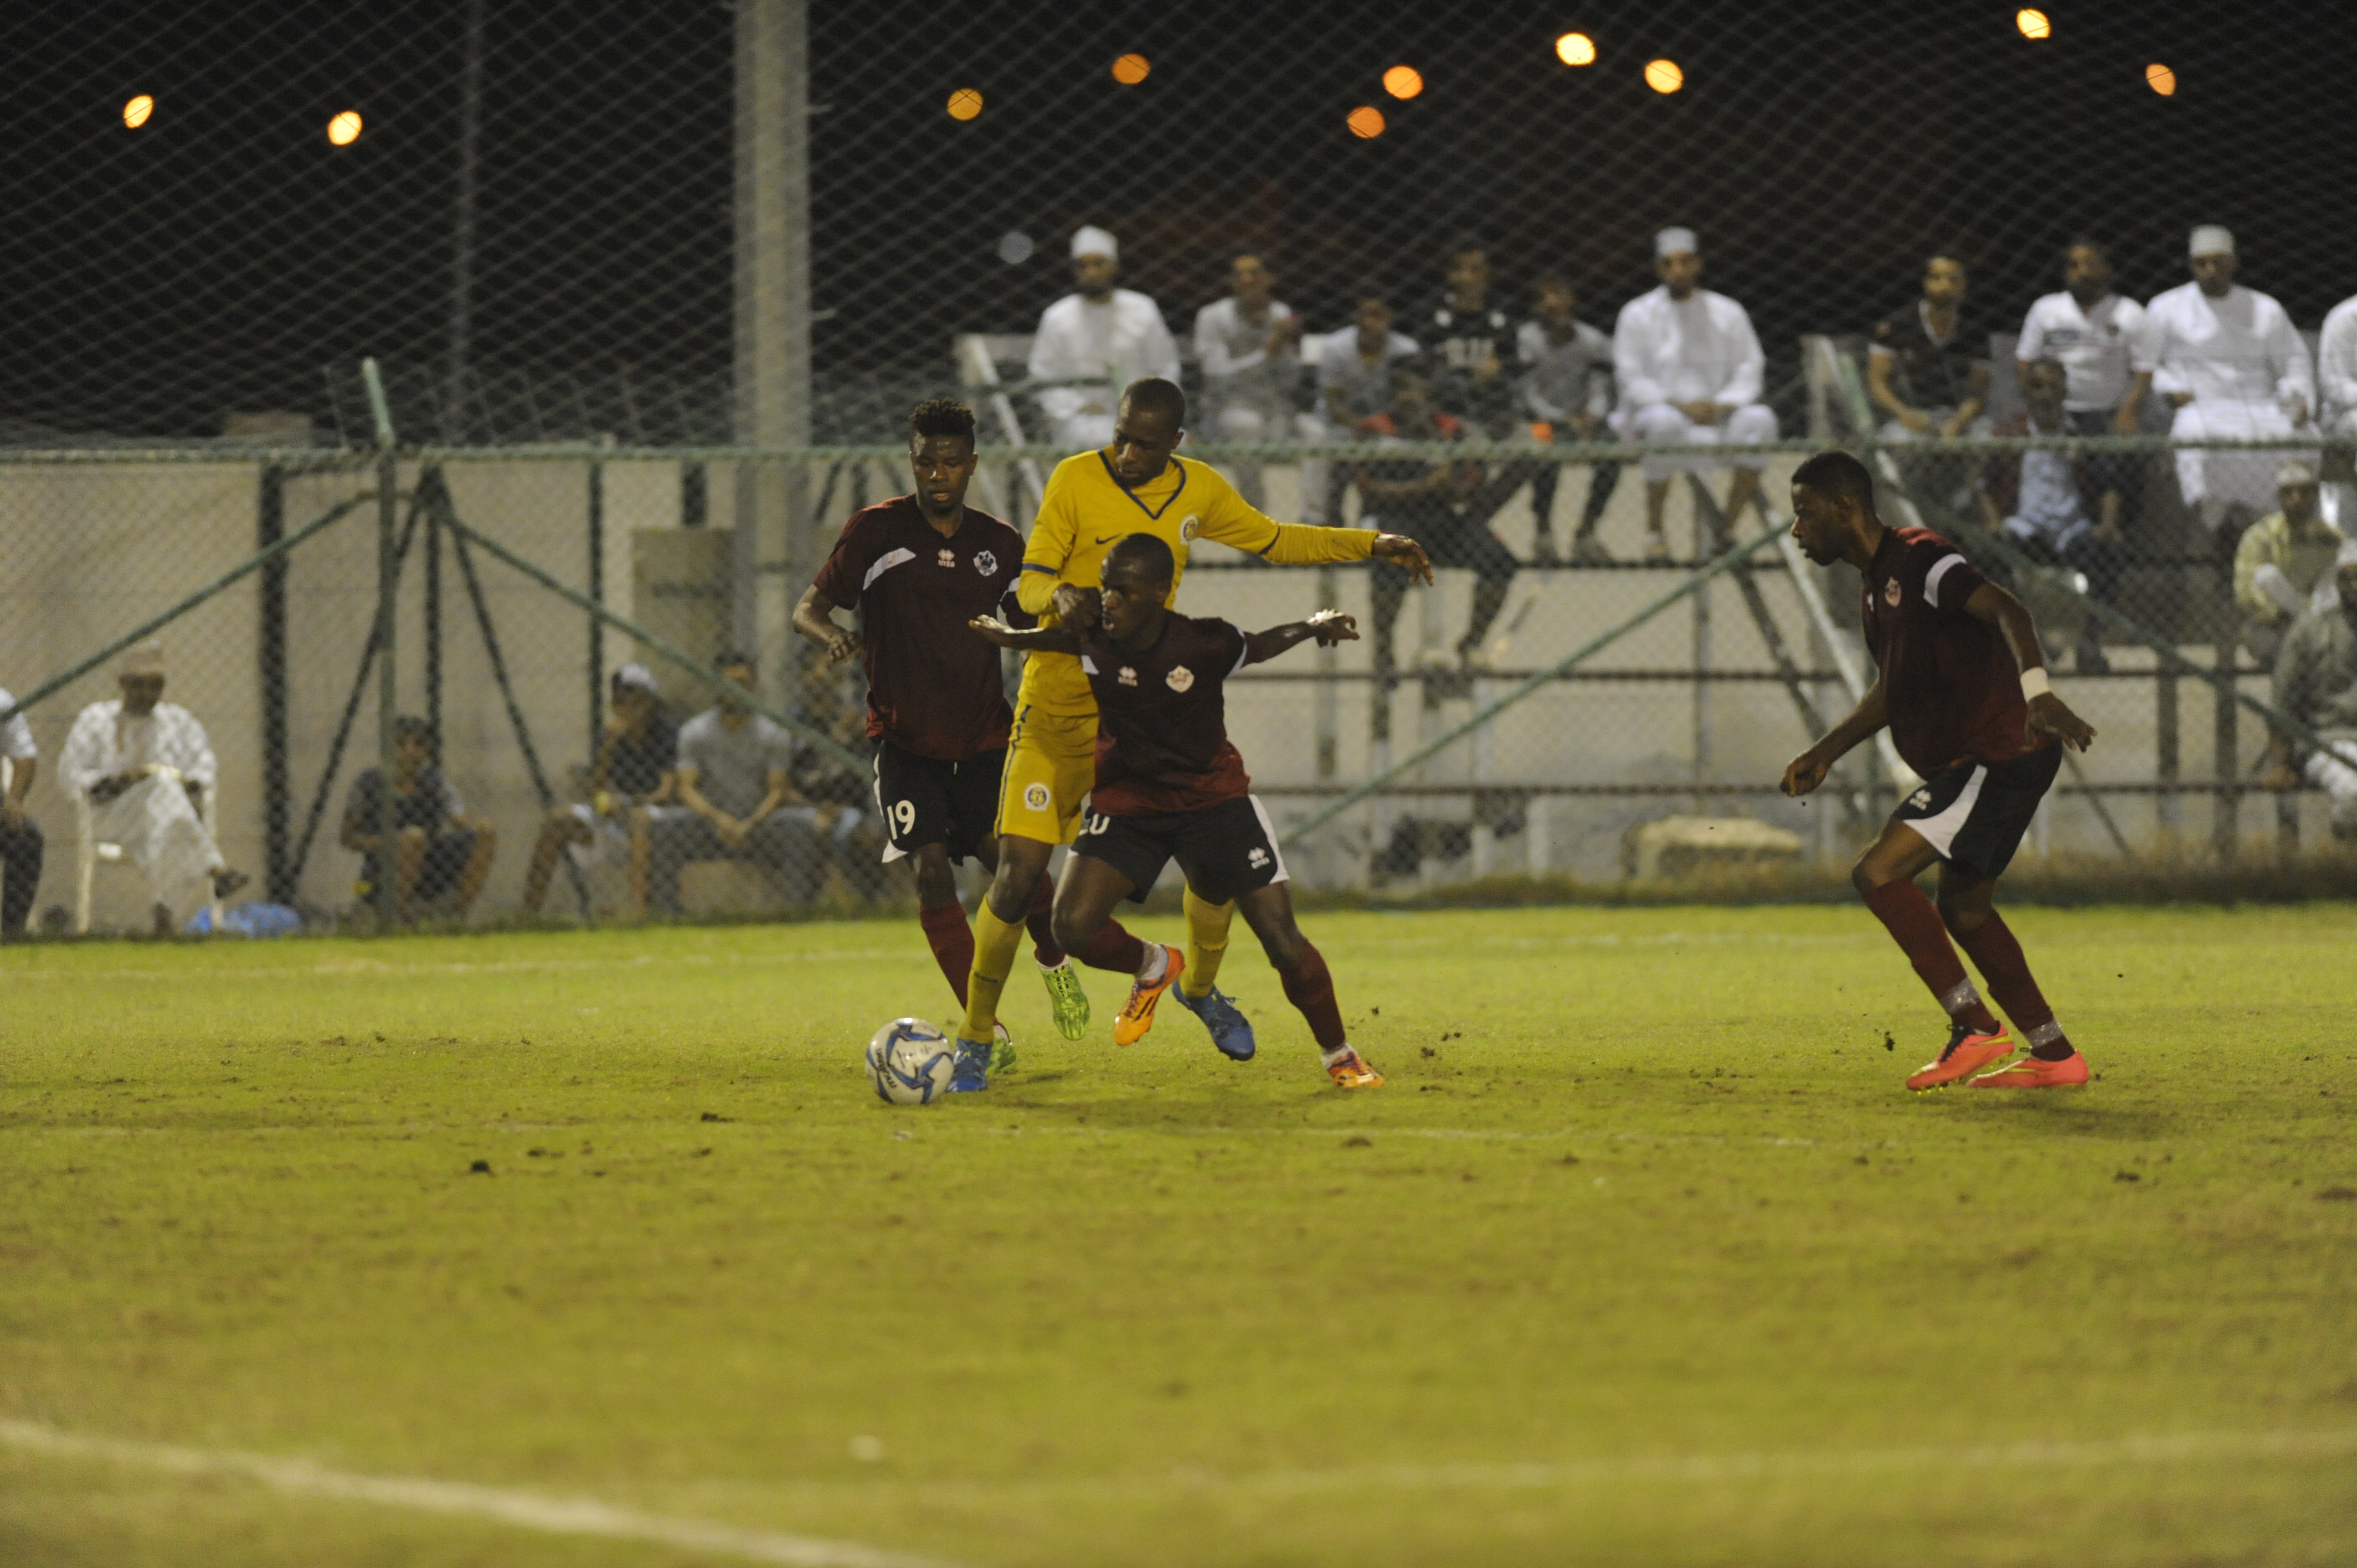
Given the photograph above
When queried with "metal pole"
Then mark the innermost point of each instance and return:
(388, 602)
(270, 528)
(597, 592)
(433, 604)
(462, 227)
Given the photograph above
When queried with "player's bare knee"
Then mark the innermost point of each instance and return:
(936, 877)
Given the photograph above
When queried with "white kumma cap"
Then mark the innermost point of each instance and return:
(2212, 239)
(1095, 241)
(1670, 241)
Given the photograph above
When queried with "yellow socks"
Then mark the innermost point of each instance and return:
(1207, 944)
(994, 944)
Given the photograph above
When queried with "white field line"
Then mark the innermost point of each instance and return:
(560, 1516)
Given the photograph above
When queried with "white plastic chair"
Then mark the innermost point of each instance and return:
(91, 852)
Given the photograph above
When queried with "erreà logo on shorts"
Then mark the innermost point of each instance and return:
(1179, 678)
(1921, 798)
(1034, 797)
(1257, 858)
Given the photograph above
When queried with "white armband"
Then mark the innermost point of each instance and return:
(2034, 684)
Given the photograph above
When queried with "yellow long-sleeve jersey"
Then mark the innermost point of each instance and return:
(1086, 511)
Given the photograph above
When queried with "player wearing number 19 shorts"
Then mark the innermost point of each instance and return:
(917, 568)
(1137, 485)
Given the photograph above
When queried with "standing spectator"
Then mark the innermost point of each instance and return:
(2099, 338)
(2336, 364)
(2316, 684)
(2280, 560)
(20, 836)
(440, 854)
(144, 764)
(2230, 360)
(2041, 501)
(1247, 346)
(1105, 336)
(1690, 371)
(1927, 368)
(1568, 388)
(628, 778)
(1428, 502)
(736, 779)
(1354, 371)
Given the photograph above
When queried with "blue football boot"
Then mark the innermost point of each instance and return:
(1231, 1030)
(970, 1069)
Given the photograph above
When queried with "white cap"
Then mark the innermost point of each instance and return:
(1670, 241)
(2294, 473)
(637, 676)
(1095, 241)
(2212, 239)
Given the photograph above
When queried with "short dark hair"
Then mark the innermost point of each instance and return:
(1837, 473)
(1145, 553)
(1465, 244)
(1152, 394)
(1552, 280)
(1237, 252)
(1938, 256)
(409, 726)
(730, 659)
(941, 417)
(2084, 244)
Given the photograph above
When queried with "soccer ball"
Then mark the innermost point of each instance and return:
(911, 1062)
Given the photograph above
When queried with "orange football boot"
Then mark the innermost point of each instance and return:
(2036, 1072)
(1350, 1070)
(1968, 1054)
(1138, 1012)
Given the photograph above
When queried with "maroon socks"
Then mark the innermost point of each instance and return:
(951, 940)
(1997, 956)
(1309, 986)
(1916, 927)
(1114, 948)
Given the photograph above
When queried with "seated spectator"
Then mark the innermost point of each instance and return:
(1428, 502)
(735, 782)
(631, 775)
(2230, 361)
(441, 856)
(20, 836)
(145, 764)
(1467, 339)
(1566, 388)
(1690, 371)
(2043, 501)
(2279, 561)
(2316, 685)
(1927, 368)
(2336, 366)
(1103, 336)
(1247, 347)
(2099, 338)
(1354, 371)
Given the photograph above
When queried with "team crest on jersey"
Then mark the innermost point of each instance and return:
(1890, 592)
(1034, 797)
(1179, 678)
(1188, 529)
(985, 562)
(1126, 675)
(948, 558)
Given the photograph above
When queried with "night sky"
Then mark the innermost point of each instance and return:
(223, 256)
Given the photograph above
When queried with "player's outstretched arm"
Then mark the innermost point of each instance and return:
(812, 620)
(2048, 714)
(1327, 627)
(1808, 770)
(1043, 639)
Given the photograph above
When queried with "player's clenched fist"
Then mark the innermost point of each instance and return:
(1805, 773)
(2048, 714)
(1404, 552)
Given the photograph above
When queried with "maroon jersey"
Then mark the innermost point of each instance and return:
(1162, 719)
(933, 687)
(1954, 690)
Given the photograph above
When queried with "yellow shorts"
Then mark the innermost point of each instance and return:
(1051, 763)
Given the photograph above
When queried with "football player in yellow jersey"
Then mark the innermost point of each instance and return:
(1137, 485)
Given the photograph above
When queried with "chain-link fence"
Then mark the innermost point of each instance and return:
(653, 288)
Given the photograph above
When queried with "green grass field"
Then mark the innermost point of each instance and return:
(1642, 1256)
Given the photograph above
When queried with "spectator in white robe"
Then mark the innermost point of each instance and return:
(2336, 368)
(1098, 334)
(144, 764)
(2231, 361)
(1247, 346)
(1690, 369)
